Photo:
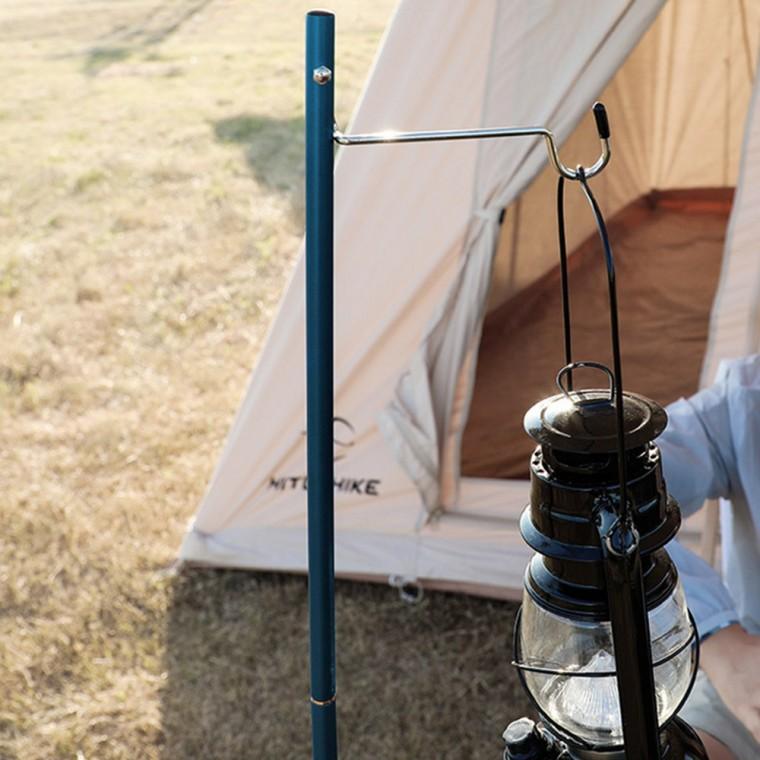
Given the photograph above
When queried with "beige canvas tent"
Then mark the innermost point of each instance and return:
(447, 302)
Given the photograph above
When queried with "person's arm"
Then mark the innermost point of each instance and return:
(708, 599)
(701, 461)
(695, 470)
(731, 656)
(731, 659)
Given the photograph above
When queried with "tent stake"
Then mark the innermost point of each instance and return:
(320, 52)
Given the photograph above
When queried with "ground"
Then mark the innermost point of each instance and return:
(150, 211)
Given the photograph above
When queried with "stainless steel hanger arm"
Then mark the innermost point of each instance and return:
(380, 138)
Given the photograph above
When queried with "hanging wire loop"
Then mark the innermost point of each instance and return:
(566, 371)
(625, 510)
(602, 128)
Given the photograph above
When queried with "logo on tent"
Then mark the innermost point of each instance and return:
(343, 438)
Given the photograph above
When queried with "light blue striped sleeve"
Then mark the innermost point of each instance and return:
(707, 597)
(696, 455)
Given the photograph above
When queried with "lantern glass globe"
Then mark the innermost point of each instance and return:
(580, 696)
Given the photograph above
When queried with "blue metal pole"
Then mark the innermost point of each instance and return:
(320, 52)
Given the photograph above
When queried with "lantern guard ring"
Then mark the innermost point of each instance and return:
(522, 668)
(520, 665)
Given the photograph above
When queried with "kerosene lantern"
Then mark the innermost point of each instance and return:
(604, 643)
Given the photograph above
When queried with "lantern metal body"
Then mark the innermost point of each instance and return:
(579, 644)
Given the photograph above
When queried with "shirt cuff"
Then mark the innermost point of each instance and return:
(715, 623)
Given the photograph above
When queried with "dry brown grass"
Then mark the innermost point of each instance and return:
(150, 208)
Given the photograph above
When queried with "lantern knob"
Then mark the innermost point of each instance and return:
(524, 742)
(602, 122)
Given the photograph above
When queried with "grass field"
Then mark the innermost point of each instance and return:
(151, 206)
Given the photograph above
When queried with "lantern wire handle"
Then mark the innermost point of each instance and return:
(617, 368)
(603, 130)
(564, 275)
(582, 176)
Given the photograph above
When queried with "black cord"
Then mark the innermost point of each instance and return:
(563, 272)
(615, 331)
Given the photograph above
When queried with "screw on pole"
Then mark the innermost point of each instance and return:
(322, 75)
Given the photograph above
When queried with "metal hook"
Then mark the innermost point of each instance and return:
(602, 128)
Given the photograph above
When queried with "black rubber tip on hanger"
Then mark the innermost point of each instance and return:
(602, 124)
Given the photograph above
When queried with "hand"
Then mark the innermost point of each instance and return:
(731, 659)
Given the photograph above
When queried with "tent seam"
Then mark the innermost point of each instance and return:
(720, 296)
(475, 207)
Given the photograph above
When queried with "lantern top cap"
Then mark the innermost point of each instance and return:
(584, 421)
